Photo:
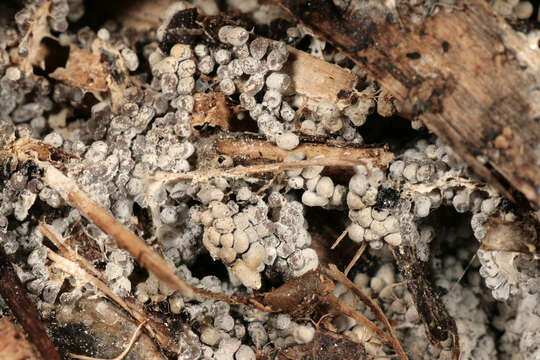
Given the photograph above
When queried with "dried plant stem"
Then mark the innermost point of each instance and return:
(338, 240)
(356, 315)
(341, 154)
(119, 357)
(240, 171)
(333, 272)
(355, 258)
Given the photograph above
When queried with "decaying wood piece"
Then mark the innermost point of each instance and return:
(14, 294)
(81, 270)
(30, 52)
(84, 70)
(243, 149)
(462, 71)
(317, 79)
(97, 327)
(439, 325)
(13, 344)
(210, 109)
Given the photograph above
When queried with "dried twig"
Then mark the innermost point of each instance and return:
(355, 258)
(437, 321)
(241, 171)
(263, 150)
(339, 239)
(333, 272)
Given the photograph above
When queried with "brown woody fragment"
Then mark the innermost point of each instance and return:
(244, 149)
(210, 109)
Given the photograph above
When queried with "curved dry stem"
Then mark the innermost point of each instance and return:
(333, 272)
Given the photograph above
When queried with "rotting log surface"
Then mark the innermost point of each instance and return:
(463, 71)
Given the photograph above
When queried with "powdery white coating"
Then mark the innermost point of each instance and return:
(303, 334)
(461, 201)
(222, 56)
(224, 322)
(311, 199)
(131, 59)
(208, 194)
(354, 201)
(200, 50)
(250, 66)
(287, 113)
(249, 277)
(422, 205)
(181, 51)
(358, 184)
(272, 99)
(258, 47)
(409, 172)
(227, 87)
(253, 85)
(254, 257)
(296, 182)
(355, 232)
(245, 353)
(393, 239)
(186, 68)
(325, 187)
(206, 65)
(379, 215)
(227, 347)
(235, 36)
(247, 101)
(278, 81)
(338, 197)
(287, 141)
(241, 241)
(210, 336)
(185, 85)
(378, 228)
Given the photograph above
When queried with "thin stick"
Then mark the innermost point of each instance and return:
(335, 274)
(356, 315)
(119, 357)
(240, 171)
(338, 240)
(355, 258)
